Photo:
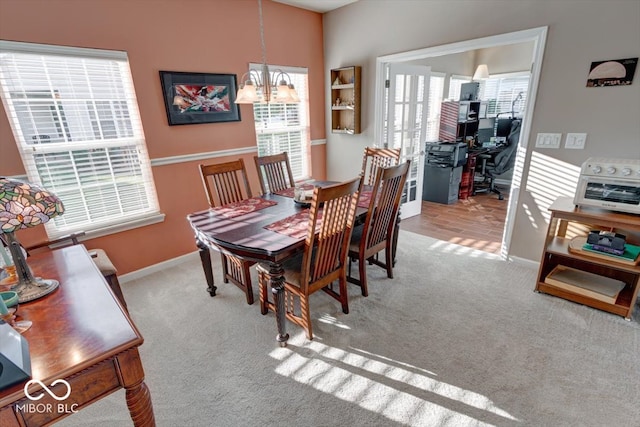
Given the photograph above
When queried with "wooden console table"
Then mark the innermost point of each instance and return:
(80, 334)
(557, 253)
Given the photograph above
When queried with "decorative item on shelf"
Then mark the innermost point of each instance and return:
(25, 205)
(337, 82)
(258, 86)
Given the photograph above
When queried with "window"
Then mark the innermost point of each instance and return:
(436, 91)
(506, 93)
(75, 120)
(285, 127)
(454, 86)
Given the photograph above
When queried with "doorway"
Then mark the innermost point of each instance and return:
(535, 35)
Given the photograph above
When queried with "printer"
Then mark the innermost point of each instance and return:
(446, 154)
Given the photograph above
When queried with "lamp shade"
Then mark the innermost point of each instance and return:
(482, 72)
(24, 205)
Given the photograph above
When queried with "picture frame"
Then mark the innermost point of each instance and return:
(193, 98)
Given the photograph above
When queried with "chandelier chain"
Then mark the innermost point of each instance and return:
(263, 47)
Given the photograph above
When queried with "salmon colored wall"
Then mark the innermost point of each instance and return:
(216, 36)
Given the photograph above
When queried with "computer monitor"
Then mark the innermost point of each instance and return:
(489, 123)
(503, 128)
(469, 91)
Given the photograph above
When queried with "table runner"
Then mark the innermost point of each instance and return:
(295, 225)
(243, 207)
(365, 196)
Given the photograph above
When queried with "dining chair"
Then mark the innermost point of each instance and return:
(274, 172)
(227, 183)
(324, 258)
(377, 232)
(376, 158)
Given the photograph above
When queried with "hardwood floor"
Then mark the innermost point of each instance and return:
(477, 222)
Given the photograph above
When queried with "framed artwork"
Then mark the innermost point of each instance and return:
(192, 98)
(615, 72)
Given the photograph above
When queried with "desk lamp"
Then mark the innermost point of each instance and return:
(25, 205)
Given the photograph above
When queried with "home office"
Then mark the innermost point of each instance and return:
(473, 147)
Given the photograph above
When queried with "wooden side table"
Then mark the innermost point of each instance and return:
(556, 252)
(82, 335)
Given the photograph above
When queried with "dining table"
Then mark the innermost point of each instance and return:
(268, 229)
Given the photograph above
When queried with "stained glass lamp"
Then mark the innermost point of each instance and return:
(25, 205)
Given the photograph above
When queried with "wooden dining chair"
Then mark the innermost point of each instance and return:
(324, 258)
(274, 172)
(377, 232)
(376, 158)
(227, 183)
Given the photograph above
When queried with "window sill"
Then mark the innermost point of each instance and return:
(113, 229)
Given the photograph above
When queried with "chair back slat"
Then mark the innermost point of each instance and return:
(326, 248)
(225, 182)
(376, 158)
(274, 172)
(384, 205)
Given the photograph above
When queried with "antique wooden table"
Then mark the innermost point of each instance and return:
(82, 335)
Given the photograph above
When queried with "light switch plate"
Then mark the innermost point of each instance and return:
(548, 140)
(575, 141)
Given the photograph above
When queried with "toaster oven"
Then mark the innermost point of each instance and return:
(612, 184)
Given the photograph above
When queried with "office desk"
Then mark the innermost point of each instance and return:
(80, 334)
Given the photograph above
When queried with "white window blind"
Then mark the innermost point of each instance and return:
(75, 119)
(505, 93)
(285, 127)
(436, 92)
(454, 86)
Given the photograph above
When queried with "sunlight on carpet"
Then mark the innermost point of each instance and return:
(373, 382)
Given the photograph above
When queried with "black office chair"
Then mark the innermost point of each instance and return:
(498, 161)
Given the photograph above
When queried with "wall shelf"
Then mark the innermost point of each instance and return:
(345, 100)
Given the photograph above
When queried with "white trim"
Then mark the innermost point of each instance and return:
(162, 161)
(37, 48)
(318, 142)
(22, 177)
(129, 225)
(538, 36)
(524, 262)
(145, 271)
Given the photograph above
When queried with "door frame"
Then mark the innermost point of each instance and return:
(538, 36)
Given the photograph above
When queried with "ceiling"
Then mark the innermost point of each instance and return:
(321, 6)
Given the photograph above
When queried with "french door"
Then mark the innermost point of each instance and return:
(406, 124)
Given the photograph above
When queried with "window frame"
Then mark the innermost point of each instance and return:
(75, 141)
(300, 162)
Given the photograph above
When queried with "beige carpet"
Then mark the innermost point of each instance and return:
(458, 338)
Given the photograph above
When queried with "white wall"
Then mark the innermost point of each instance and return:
(580, 32)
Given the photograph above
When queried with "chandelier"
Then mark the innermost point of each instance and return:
(260, 86)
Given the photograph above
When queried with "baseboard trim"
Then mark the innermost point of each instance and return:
(137, 274)
(534, 265)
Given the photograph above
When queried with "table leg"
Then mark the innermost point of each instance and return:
(137, 393)
(276, 282)
(205, 258)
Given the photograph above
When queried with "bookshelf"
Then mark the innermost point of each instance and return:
(557, 253)
(345, 100)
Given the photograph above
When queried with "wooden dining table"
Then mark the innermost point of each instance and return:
(253, 236)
